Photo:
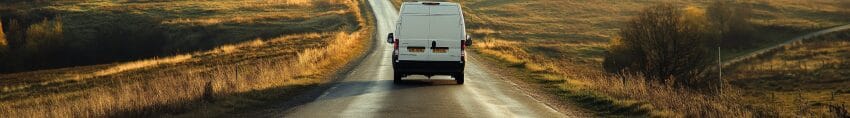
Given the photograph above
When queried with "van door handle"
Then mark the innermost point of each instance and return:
(433, 44)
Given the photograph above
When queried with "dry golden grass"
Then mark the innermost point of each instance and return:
(201, 84)
(505, 51)
(157, 28)
(233, 11)
(799, 80)
(227, 49)
(799, 13)
(43, 34)
(141, 64)
(564, 42)
(175, 92)
(638, 97)
(312, 60)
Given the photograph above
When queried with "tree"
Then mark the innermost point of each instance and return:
(731, 22)
(661, 43)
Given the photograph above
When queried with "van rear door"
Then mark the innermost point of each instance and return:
(413, 38)
(430, 33)
(446, 34)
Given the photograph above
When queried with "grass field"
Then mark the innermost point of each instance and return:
(800, 79)
(100, 32)
(563, 43)
(276, 50)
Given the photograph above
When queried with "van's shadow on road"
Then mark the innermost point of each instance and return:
(342, 90)
(356, 88)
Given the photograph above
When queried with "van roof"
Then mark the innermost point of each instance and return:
(421, 3)
(444, 8)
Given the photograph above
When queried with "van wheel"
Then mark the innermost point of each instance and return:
(458, 77)
(397, 77)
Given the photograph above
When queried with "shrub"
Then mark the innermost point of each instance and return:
(661, 43)
(15, 35)
(730, 20)
(43, 38)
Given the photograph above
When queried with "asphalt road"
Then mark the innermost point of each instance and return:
(368, 91)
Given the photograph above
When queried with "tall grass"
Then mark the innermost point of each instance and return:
(625, 94)
(44, 35)
(142, 64)
(632, 92)
(102, 32)
(568, 39)
(207, 89)
(509, 52)
(175, 93)
(801, 79)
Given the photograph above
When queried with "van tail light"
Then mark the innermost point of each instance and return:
(462, 45)
(462, 51)
(395, 47)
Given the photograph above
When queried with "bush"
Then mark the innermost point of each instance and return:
(41, 42)
(33, 46)
(44, 36)
(730, 20)
(661, 43)
(15, 35)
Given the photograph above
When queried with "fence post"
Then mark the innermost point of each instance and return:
(800, 100)
(624, 82)
(719, 72)
(773, 95)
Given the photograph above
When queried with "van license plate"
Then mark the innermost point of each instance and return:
(440, 50)
(415, 49)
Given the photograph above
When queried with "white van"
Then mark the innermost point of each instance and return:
(429, 39)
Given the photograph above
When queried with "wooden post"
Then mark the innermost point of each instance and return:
(624, 82)
(800, 100)
(719, 72)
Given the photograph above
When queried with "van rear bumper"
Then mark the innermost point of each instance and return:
(428, 67)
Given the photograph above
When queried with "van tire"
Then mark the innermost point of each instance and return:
(397, 77)
(458, 77)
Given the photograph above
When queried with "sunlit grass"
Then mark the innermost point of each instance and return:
(800, 79)
(177, 92)
(141, 64)
(565, 41)
(199, 84)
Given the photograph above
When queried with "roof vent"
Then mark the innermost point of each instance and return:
(430, 3)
